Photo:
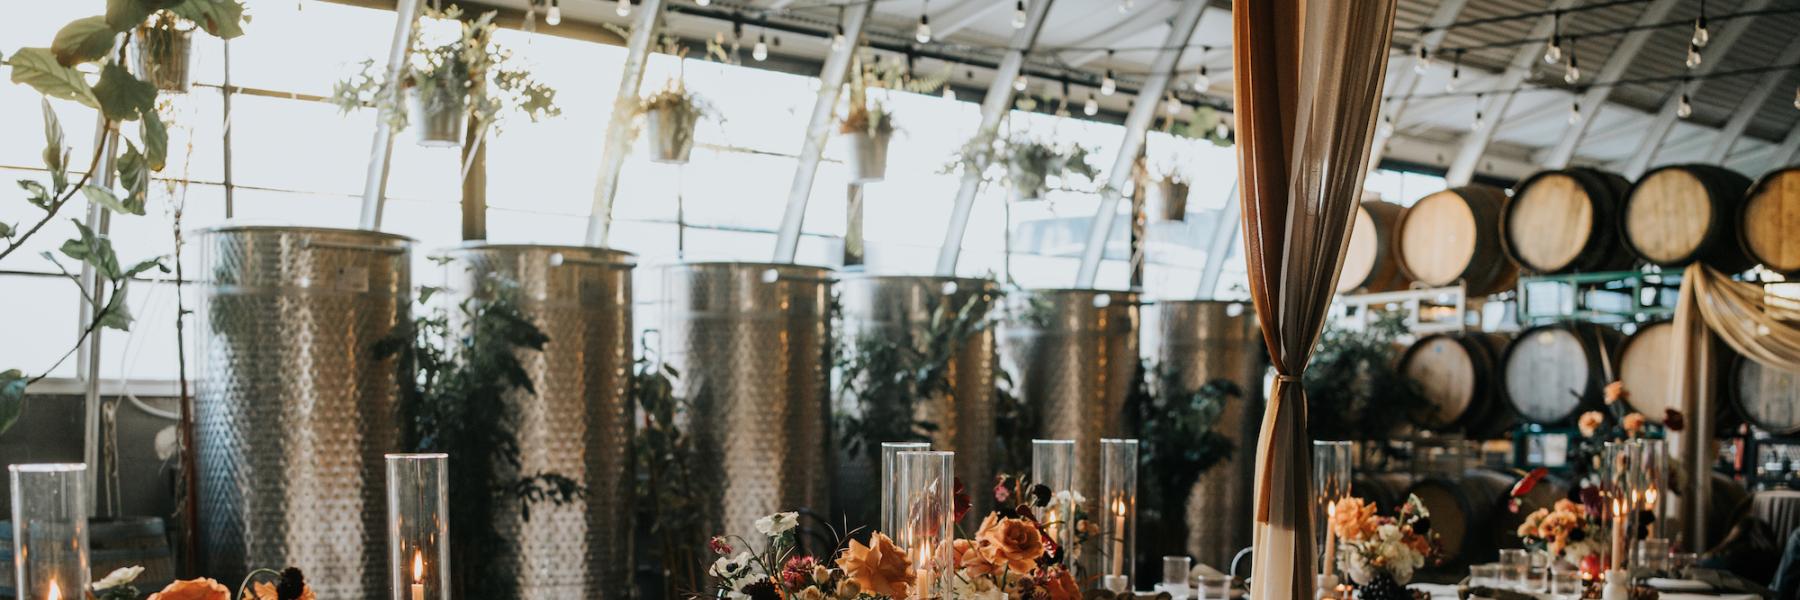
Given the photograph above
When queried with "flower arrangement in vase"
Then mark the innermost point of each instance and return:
(1566, 532)
(1380, 553)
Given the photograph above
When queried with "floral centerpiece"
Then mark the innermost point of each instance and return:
(1568, 532)
(1380, 553)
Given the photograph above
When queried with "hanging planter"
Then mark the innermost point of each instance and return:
(439, 116)
(868, 130)
(1172, 195)
(670, 118)
(1028, 183)
(163, 54)
(1030, 164)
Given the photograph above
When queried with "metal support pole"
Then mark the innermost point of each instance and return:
(406, 16)
(87, 359)
(1475, 144)
(1713, 55)
(831, 82)
(1181, 29)
(1595, 97)
(618, 129)
(1224, 230)
(993, 108)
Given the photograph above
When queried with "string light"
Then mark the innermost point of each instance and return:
(1684, 108)
(1107, 84)
(1479, 122)
(1575, 111)
(837, 37)
(703, 2)
(1203, 82)
(1174, 106)
(1701, 35)
(1092, 106)
(1693, 55)
(760, 51)
(1019, 14)
(923, 32)
(1020, 83)
(1553, 53)
(1455, 72)
(1386, 129)
(1222, 130)
(1423, 62)
(1572, 74)
(623, 9)
(1062, 104)
(554, 16)
(1797, 98)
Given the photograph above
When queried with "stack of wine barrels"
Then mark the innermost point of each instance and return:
(1771, 215)
(1564, 221)
(1369, 261)
(1454, 235)
(1459, 377)
(1554, 372)
(1679, 214)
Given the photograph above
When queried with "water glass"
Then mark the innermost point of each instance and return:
(1515, 568)
(1566, 584)
(1485, 575)
(1652, 554)
(1214, 587)
(1176, 572)
(1680, 562)
(1536, 579)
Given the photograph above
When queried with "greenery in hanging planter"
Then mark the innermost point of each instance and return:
(465, 365)
(872, 118)
(1178, 441)
(1024, 161)
(470, 74)
(1354, 387)
(63, 71)
(1205, 123)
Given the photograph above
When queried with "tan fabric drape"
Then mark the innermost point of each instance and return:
(1308, 76)
(1756, 325)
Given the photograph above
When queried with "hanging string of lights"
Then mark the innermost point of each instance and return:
(1700, 38)
(1623, 82)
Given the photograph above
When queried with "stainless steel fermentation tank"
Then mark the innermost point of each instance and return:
(295, 411)
(752, 342)
(890, 305)
(1074, 356)
(1200, 341)
(579, 422)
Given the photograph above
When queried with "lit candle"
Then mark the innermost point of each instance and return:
(1330, 541)
(55, 592)
(1618, 546)
(1118, 563)
(418, 585)
(1650, 506)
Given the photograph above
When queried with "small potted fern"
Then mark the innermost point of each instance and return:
(670, 118)
(868, 128)
(1172, 194)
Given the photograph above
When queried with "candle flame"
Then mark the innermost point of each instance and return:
(1119, 506)
(1331, 509)
(1650, 496)
(418, 567)
(55, 592)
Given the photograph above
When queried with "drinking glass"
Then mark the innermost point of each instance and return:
(892, 520)
(1485, 575)
(1214, 587)
(1536, 578)
(1566, 584)
(1652, 554)
(1515, 567)
(1177, 570)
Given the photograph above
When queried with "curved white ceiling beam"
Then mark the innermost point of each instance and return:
(1408, 80)
(1147, 19)
(1713, 55)
(1493, 108)
(1751, 104)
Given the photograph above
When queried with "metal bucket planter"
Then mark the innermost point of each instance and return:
(752, 343)
(164, 56)
(885, 305)
(438, 117)
(578, 424)
(671, 135)
(1074, 356)
(1027, 184)
(868, 156)
(1172, 202)
(1200, 341)
(294, 409)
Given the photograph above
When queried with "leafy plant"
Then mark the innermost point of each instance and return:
(1354, 388)
(470, 74)
(118, 96)
(1204, 123)
(1024, 161)
(668, 491)
(1178, 441)
(871, 118)
(886, 375)
(466, 365)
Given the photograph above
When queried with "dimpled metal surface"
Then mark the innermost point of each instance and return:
(752, 342)
(883, 305)
(294, 410)
(1074, 355)
(1202, 340)
(578, 424)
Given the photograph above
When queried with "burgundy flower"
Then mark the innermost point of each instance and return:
(719, 545)
(1673, 420)
(797, 571)
(960, 497)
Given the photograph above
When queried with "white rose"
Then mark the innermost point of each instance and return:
(778, 523)
(118, 577)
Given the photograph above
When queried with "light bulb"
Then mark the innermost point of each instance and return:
(1554, 52)
(1693, 56)
(760, 51)
(837, 39)
(1203, 82)
(1450, 86)
(1019, 14)
(1174, 106)
(1575, 113)
(1701, 35)
(1222, 130)
(1091, 107)
(623, 9)
(1478, 124)
(923, 32)
(554, 16)
(1423, 62)
(1108, 85)
(1573, 74)
(1386, 128)
(949, 94)
(703, 2)
(1020, 83)
(1684, 109)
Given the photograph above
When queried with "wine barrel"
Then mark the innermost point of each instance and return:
(1387, 491)
(1454, 235)
(1644, 365)
(1766, 396)
(1369, 262)
(1678, 214)
(1563, 221)
(1465, 511)
(1456, 375)
(1771, 215)
(1553, 372)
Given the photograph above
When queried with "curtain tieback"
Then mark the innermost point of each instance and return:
(1287, 378)
(1267, 480)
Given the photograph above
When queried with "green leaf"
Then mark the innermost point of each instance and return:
(221, 18)
(93, 250)
(125, 14)
(6, 230)
(134, 175)
(104, 197)
(38, 196)
(83, 40)
(12, 397)
(124, 97)
(117, 314)
(145, 265)
(38, 68)
(56, 155)
(156, 141)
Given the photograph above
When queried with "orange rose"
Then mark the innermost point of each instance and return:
(1615, 392)
(1014, 544)
(1061, 586)
(1590, 422)
(968, 558)
(1353, 519)
(1633, 424)
(879, 568)
(193, 589)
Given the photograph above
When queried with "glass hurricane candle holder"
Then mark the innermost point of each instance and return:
(1053, 466)
(1118, 526)
(890, 475)
(1618, 476)
(1331, 482)
(418, 526)
(50, 533)
(924, 497)
(1649, 483)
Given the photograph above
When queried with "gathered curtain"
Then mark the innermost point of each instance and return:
(1753, 323)
(1308, 76)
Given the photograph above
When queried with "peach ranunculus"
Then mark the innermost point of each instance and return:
(880, 568)
(263, 590)
(193, 589)
(968, 559)
(1061, 585)
(1013, 544)
(1590, 422)
(1353, 519)
(1633, 424)
(1615, 392)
